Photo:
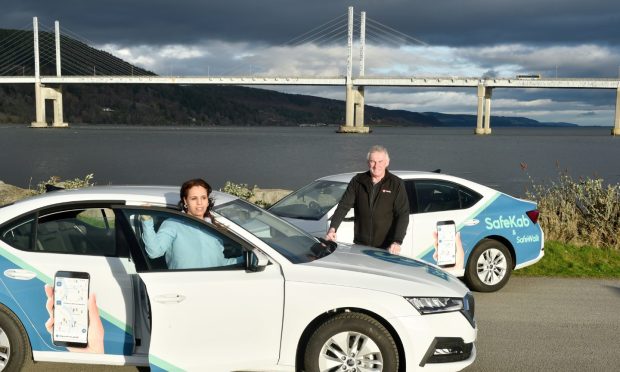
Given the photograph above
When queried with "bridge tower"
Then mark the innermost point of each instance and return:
(41, 92)
(354, 120)
(616, 129)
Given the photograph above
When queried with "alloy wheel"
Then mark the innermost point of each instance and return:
(350, 352)
(491, 266)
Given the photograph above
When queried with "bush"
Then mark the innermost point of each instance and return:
(579, 212)
(243, 191)
(75, 183)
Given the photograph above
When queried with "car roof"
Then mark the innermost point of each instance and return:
(408, 174)
(158, 195)
(346, 177)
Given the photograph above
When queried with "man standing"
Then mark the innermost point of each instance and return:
(380, 203)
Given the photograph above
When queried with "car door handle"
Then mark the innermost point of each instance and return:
(170, 298)
(472, 222)
(19, 274)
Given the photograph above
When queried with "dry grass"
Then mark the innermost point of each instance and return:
(579, 212)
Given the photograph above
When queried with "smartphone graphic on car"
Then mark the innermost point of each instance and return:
(71, 291)
(446, 243)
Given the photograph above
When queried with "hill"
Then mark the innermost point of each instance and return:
(203, 105)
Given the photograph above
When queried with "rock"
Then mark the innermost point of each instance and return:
(268, 197)
(10, 193)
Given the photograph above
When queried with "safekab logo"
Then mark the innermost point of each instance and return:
(510, 222)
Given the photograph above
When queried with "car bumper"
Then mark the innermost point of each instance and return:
(541, 254)
(437, 342)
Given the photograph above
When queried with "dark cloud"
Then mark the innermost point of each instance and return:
(442, 22)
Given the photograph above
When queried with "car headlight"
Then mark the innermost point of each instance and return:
(433, 305)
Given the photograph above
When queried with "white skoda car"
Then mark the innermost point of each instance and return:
(500, 233)
(288, 302)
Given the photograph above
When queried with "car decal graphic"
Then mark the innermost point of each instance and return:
(26, 298)
(157, 364)
(502, 218)
(427, 254)
(33, 314)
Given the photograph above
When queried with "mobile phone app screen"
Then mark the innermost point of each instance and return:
(446, 254)
(71, 310)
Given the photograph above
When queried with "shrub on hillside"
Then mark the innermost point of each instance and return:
(579, 212)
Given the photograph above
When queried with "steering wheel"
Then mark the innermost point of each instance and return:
(315, 207)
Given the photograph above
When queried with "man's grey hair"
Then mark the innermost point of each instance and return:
(378, 148)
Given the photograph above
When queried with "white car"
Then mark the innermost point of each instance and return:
(290, 303)
(500, 233)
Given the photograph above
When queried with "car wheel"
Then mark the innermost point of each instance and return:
(489, 267)
(351, 342)
(13, 342)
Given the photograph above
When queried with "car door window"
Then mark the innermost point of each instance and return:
(441, 195)
(83, 230)
(88, 231)
(19, 233)
(174, 241)
(310, 202)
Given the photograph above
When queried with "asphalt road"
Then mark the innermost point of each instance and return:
(549, 324)
(532, 324)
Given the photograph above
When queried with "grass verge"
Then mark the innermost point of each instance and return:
(565, 260)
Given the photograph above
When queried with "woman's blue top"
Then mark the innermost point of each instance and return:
(184, 245)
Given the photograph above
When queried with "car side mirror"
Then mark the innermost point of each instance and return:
(255, 261)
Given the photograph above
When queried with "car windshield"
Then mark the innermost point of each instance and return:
(310, 202)
(294, 244)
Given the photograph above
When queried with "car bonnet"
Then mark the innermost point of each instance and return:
(365, 267)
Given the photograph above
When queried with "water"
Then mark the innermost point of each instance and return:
(277, 157)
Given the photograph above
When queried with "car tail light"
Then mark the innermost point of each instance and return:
(533, 215)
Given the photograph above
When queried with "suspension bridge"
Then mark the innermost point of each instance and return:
(77, 70)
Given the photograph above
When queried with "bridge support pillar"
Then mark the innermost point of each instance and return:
(39, 105)
(359, 107)
(616, 129)
(487, 111)
(480, 116)
(41, 94)
(483, 120)
(354, 111)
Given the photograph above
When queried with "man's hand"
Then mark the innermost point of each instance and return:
(331, 234)
(394, 248)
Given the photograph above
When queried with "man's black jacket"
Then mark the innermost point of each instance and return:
(378, 222)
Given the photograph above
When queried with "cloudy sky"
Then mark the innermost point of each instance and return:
(474, 38)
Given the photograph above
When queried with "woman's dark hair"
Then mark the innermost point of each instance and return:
(192, 183)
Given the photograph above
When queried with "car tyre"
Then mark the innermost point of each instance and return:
(14, 345)
(489, 266)
(351, 342)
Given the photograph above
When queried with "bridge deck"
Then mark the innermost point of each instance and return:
(567, 83)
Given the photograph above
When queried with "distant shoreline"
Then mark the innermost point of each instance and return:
(84, 125)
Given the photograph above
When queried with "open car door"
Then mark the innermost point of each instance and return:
(209, 317)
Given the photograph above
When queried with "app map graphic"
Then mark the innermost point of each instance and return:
(70, 310)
